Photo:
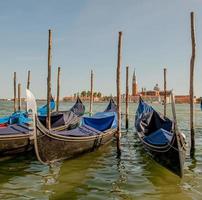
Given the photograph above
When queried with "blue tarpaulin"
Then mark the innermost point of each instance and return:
(43, 110)
(4, 120)
(16, 118)
(159, 137)
(82, 131)
(155, 127)
(78, 108)
(15, 129)
(19, 117)
(147, 120)
(94, 125)
(101, 121)
(112, 107)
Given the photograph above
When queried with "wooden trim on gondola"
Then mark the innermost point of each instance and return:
(16, 136)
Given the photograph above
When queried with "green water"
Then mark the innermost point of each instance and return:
(100, 175)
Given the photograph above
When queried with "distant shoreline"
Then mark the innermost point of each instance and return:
(87, 101)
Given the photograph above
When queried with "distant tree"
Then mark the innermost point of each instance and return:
(95, 94)
(88, 93)
(83, 93)
(99, 94)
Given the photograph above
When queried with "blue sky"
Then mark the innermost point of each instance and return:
(156, 34)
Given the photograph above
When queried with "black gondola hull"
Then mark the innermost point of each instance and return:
(22, 142)
(169, 156)
(51, 147)
(15, 145)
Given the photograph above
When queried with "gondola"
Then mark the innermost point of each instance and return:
(160, 137)
(94, 131)
(17, 137)
(201, 105)
(16, 131)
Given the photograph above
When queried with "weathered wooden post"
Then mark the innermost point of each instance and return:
(28, 83)
(165, 92)
(28, 80)
(14, 90)
(91, 93)
(58, 90)
(127, 97)
(19, 97)
(191, 90)
(48, 119)
(118, 83)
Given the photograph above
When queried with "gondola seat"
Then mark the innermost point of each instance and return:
(159, 137)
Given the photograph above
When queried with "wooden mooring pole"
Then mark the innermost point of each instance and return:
(127, 97)
(58, 90)
(19, 97)
(14, 92)
(28, 80)
(118, 83)
(165, 92)
(48, 119)
(91, 93)
(191, 90)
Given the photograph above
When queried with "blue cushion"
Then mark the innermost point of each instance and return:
(101, 121)
(159, 137)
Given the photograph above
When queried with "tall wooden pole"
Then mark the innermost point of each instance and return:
(14, 90)
(118, 83)
(91, 93)
(48, 119)
(127, 96)
(191, 90)
(28, 83)
(165, 92)
(58, 90)
(19, 97)
(28, 80)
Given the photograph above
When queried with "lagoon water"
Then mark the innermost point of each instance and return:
(100, 175)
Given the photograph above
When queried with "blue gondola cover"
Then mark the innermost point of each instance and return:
(112, 107)
(159, 137)
(147, 120)
(78, 108)
(18, 117)
(42, 111)
(101, 121)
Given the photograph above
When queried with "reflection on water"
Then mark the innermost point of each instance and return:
(100, 175)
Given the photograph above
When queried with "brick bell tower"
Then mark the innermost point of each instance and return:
(134, 85)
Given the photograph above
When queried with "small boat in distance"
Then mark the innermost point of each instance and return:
(160, 137)
(94, 131)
